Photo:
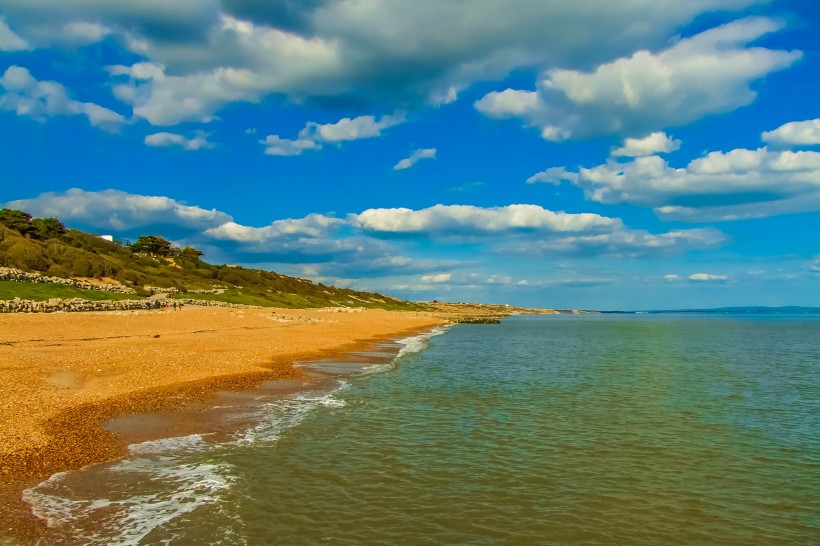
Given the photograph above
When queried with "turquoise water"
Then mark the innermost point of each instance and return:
(542, 430)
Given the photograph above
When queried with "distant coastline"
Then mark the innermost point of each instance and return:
(751, 310)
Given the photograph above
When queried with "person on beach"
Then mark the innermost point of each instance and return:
(175, 305)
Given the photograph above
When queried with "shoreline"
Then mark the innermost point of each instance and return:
(52, 360)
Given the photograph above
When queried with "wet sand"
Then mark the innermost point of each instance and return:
(63, 376)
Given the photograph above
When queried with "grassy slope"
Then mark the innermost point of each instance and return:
(79, 254)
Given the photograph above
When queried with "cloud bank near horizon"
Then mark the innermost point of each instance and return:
(377, 235)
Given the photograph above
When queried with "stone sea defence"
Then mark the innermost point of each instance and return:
(56, 305)
(11, 274)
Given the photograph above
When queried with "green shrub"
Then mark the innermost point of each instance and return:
(57, 271)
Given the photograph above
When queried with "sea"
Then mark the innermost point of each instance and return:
(588, 429)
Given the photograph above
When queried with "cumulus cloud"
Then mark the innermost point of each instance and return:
(164, 139)
(530, 230)
(795, 133)
(708, 73)
(671, 278)
(9, 41)
(624, 243)
(720, 186)
(274, 145)
(119, 211)
(247, 63)
(79, 33)
(314, 238)
(314, 134)
(654, 143)
(436, 278)
(215, 53)
(21, 93)
(313, 225)
(347, 129)
(380, 260)
(708, 277)
(553, 175)
(422, 153)
(355, 246)
(470, 220)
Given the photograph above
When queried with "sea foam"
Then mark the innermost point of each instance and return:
(141, 496)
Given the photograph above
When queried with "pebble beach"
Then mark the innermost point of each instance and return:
(63, 375)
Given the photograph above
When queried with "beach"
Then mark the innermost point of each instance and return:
(64, 375)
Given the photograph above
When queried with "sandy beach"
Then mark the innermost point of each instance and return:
(63, 375)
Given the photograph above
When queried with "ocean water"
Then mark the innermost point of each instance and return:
(592, 429)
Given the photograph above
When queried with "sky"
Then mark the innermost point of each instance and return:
(587, 155)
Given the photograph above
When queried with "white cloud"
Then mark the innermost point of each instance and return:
(436, 278)
(671, 278)
(553, 175)
(21, 93)
(347, 129)
(422, 153)
(79, 33)
(619, 243)
(470, 220)
(719, 186)
(708, 277)
(510, 103)
(314, 134)
(247, 62)
(9, 41)
(199, 142)
(168, 100)
(654, 143)
(274, 145)
(795, 133)
(312, 238)
(530, 230)
(353, 248)
(215, 53)
(708, 73)
(313, 225)
(119, 211)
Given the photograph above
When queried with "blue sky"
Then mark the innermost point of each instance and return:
(594, 154)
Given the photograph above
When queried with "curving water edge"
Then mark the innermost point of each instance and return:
(139, 497)
(603, 430)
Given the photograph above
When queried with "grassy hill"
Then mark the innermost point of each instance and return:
(44, 245)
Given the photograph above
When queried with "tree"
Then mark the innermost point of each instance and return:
(152, 244)
(190, 253)
(17, 220)
(48, 228)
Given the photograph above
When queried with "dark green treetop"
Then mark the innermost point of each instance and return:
(17, 220)
(152, 244)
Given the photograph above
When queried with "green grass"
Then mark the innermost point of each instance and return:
(79, 254)
(292, 301)
(36, 291)
(230, 296)
(296, 301)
